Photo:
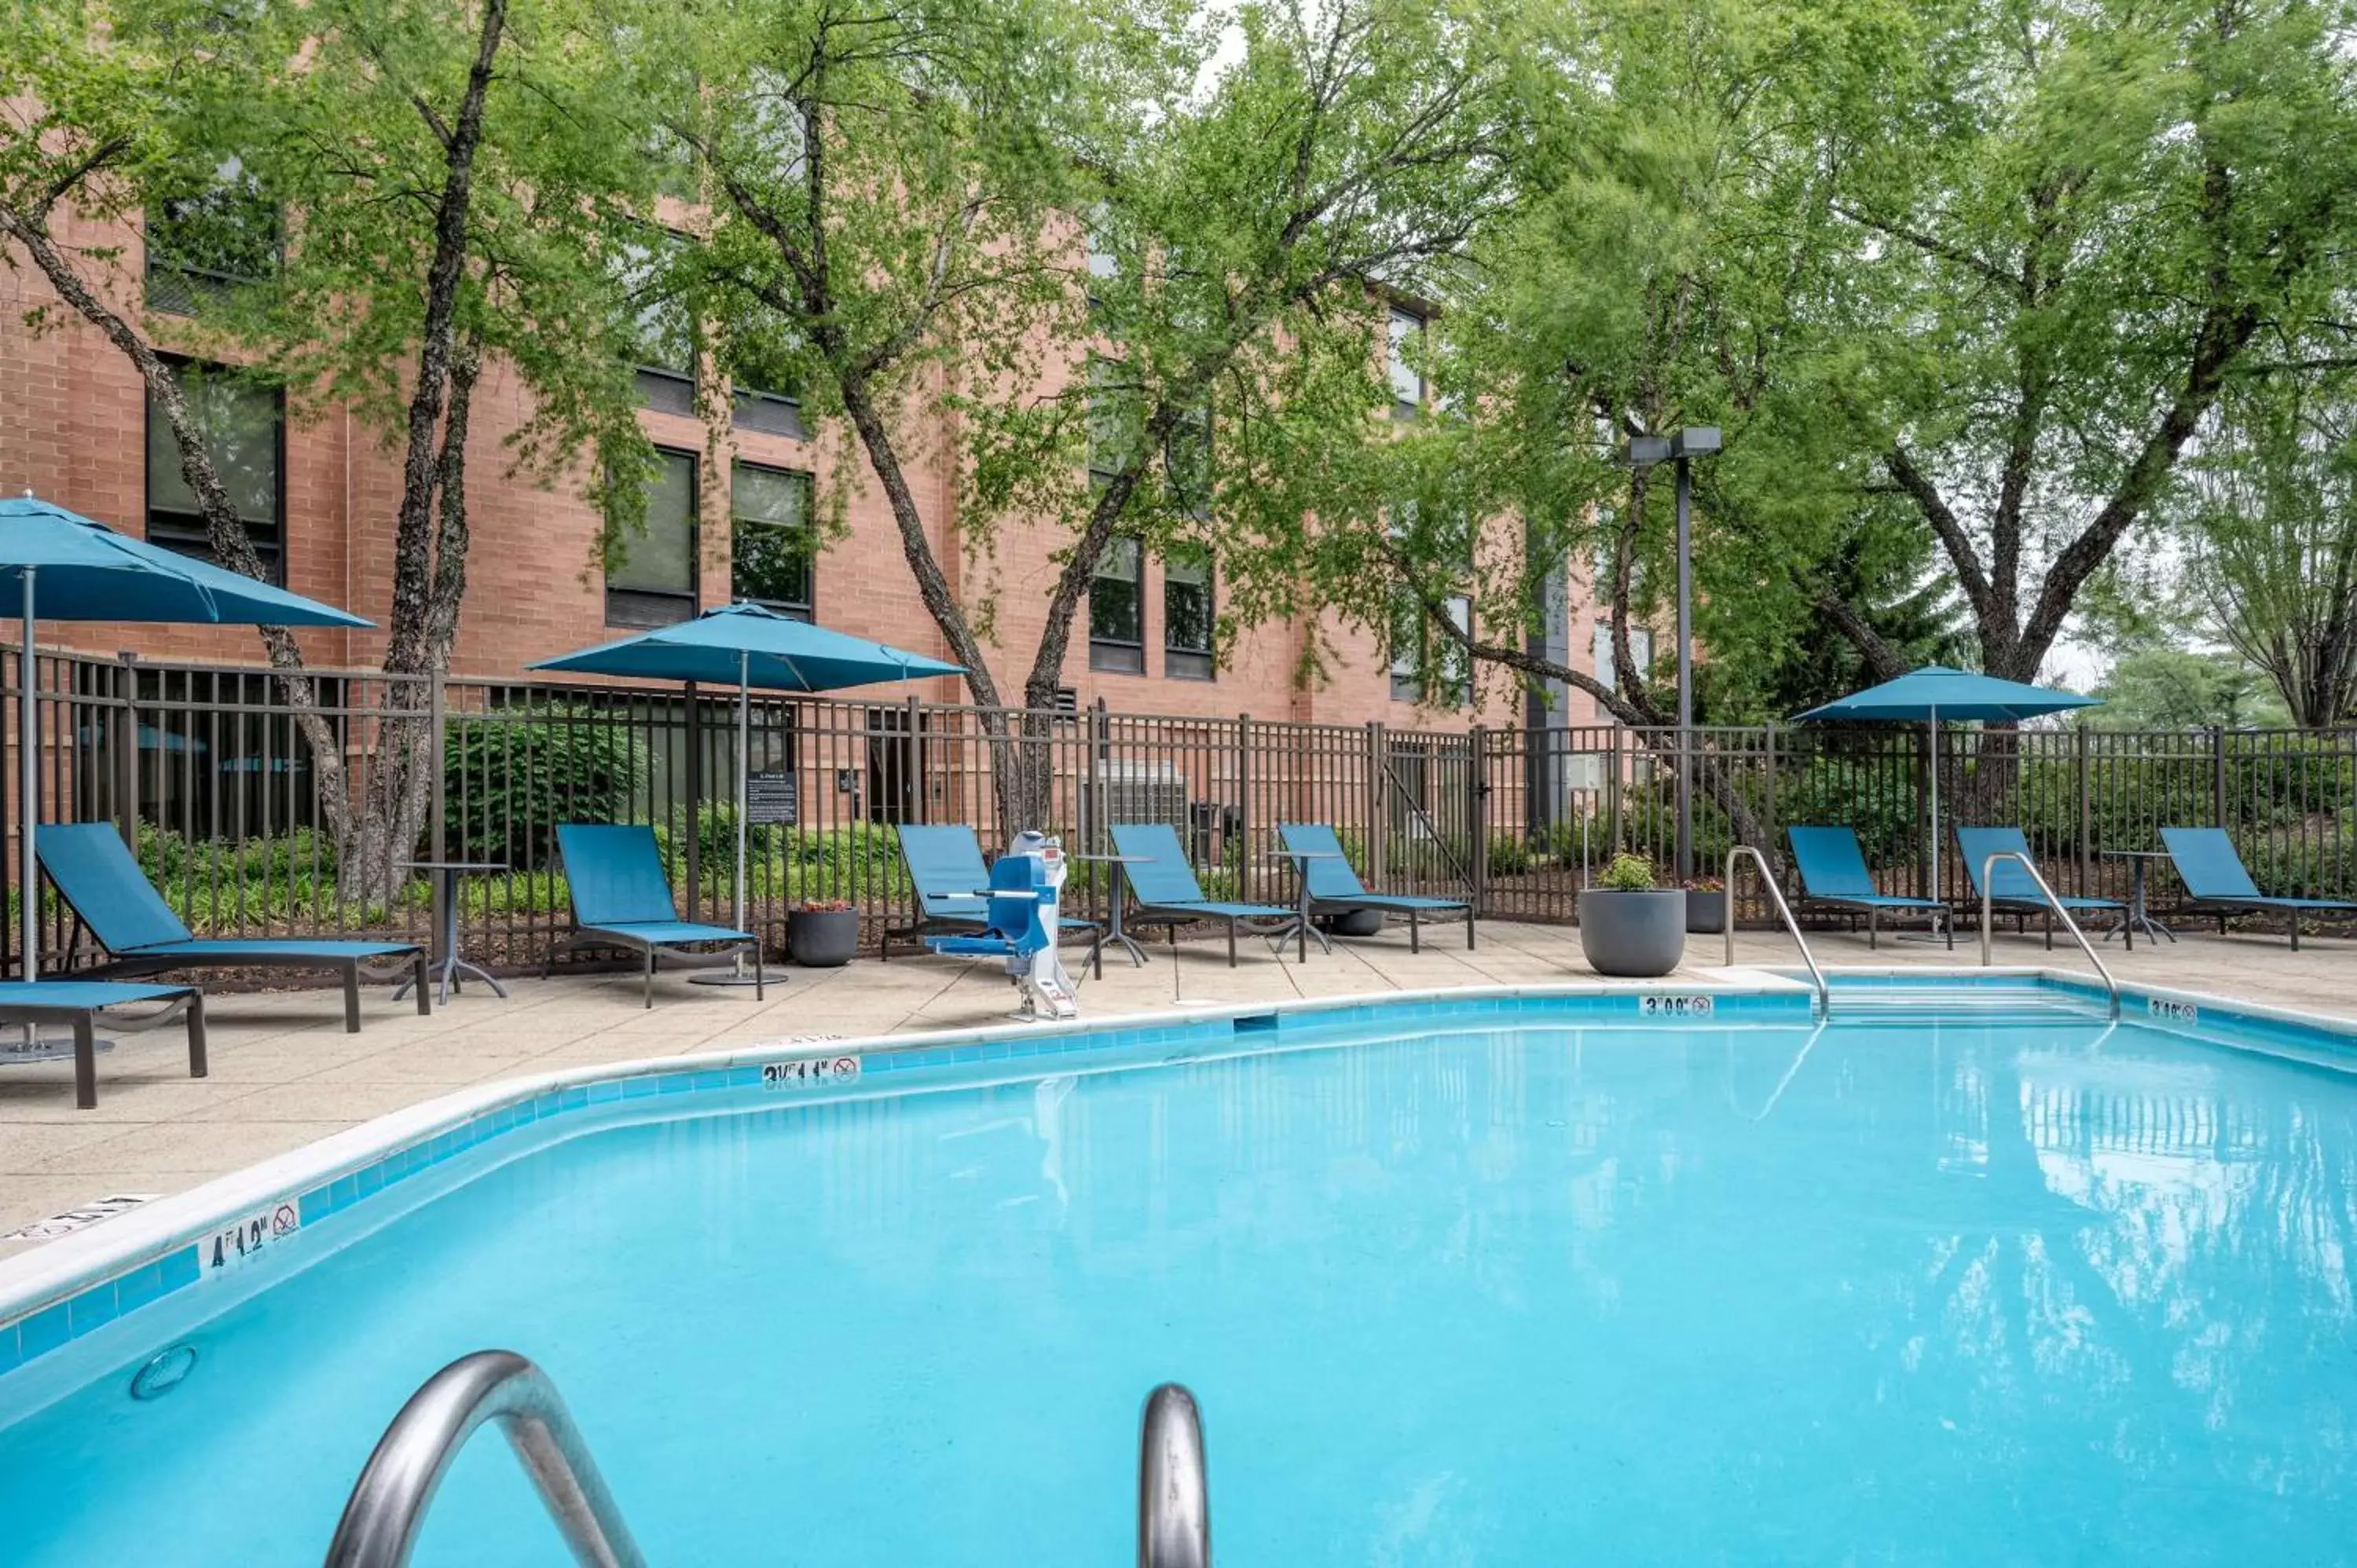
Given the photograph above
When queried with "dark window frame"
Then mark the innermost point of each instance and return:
(1180, 662)
(154, 263)
(619, 601)
(808, 609)
(194, 542)
(1117, 655)
(1403, 408)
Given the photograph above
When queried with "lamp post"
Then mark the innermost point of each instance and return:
(1644, 452)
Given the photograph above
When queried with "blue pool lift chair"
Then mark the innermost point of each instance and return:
(1167, 892)
(2217, 882)
(945, 865)
(621, 899)
(112, 900)
(1334, 889)
(1833, 877)
(2010, 888)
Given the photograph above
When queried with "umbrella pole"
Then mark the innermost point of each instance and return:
(29, 784)
(736, 975)
(1935, 805)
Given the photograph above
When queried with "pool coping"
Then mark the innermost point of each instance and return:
(80, 1283)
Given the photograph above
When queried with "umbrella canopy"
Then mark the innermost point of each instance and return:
(58, 565)
(747, 645)
(82, 570)
(1937, 692)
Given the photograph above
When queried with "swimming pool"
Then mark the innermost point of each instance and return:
(1515, 1282)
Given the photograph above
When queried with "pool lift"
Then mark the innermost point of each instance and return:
(1020, 923)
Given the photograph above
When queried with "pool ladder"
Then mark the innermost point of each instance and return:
(382, 1518)
(1988, 871)
(1735, 857)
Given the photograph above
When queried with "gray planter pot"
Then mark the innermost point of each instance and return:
(1633, 936)
(1354, 923)
(822, 938)
(1705, 912)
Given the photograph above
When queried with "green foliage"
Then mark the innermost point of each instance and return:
(2162, 688)
(512, 776)
(1627, 874)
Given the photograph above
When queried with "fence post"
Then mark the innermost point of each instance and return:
(694, 730)
(127, 761)
(1767, 797)
(1244, 878)
(1378, 817)
(1613, 803)
(2218, 774)
(2086, 817)
(1478, 805)
(438, 804)
(920, 787)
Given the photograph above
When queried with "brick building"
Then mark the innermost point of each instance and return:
(725, 518)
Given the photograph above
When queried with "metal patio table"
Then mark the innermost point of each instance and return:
(447, 965)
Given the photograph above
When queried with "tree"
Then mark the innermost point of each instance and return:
(439, 176)
(2071, 229)
(2273, 515)
(907, 200)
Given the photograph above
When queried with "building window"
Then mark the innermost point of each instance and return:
(1102, 263)
(200, 247)
(1187, 619)
(244, 424)
(1416, 648)
(773, 548)
(1117, 609)
(1406, 355)
(663, 335)
(1641, 648)
(761, 395)
(651, 577)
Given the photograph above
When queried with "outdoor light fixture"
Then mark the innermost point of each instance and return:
(1644, 452)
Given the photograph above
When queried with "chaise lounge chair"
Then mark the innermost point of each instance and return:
(76, 1003)
(1833, 877)
(1335, 889)
(945, 866)
(621, 899)
(1167, 891)
(2217, 883)
(111, 899)
(2010, 888)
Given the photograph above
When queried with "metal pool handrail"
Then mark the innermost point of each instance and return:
(1783, 912)
(1988, 869)
(388, 1504)
(1174, 1506)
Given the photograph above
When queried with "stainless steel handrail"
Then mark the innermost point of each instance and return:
(1783, 912)
(1173, 1505)
(1988, 869)
(388, 1504)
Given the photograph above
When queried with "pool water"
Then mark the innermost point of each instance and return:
(1900, 1292)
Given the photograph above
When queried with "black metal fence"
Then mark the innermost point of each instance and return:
(207, 772)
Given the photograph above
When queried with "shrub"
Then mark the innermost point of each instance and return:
(512, 775)
(1628, 874)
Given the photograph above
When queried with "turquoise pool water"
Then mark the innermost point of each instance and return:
(1952, 1294)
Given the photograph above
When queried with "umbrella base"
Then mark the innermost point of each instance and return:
(16, 1050)
(723, 977)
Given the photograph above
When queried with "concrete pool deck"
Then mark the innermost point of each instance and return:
(285, 1073)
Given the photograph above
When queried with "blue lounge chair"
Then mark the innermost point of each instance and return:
(110, 896)
(2011, 889)
(1335, 889)
(945, 866)
(76, 1003)
(621, 898)
(2216, 880)
(1833, 877)
(1167, 891)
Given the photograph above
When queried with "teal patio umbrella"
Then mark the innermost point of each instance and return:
(58, 565)
(750, 647)
(1936, 693)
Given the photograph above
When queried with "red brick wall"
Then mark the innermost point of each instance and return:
(72, 428)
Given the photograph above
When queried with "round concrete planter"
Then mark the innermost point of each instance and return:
(822, 938)
(1354, 923)
(1633, 936)
(1705, 912)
